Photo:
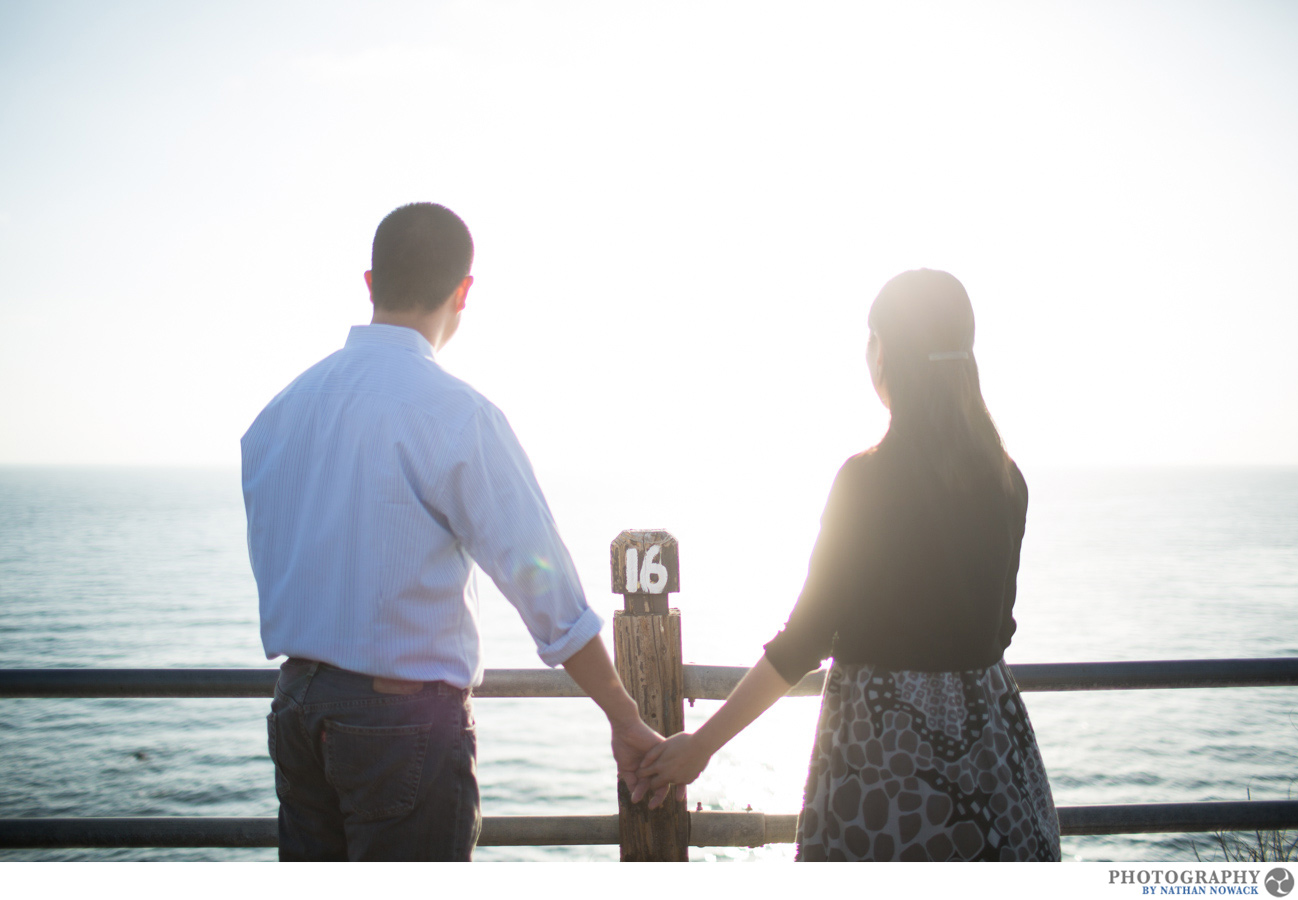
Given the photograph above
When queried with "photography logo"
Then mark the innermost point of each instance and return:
(1279, 882)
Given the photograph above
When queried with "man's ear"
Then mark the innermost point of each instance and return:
(461, 292)
(369, 283)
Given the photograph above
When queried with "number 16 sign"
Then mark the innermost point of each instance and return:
(645, 568)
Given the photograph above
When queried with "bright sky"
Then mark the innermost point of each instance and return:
(682, 213)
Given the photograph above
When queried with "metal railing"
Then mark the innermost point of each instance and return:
(707, 829)
(701, 682)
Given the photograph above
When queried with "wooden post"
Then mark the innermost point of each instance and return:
(647, 648)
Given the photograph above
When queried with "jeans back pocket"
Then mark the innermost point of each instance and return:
(375, 769)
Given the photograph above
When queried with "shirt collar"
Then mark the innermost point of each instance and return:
(393, 335)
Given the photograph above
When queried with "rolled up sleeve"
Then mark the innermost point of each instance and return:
(495, 508)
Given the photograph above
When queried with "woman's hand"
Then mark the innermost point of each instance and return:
(677, 760)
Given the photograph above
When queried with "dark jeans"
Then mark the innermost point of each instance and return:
(369, 775)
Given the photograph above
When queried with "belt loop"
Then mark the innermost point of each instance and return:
(306, 682)
(303, 684)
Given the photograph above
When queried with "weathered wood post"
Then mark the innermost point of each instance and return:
(647, 648)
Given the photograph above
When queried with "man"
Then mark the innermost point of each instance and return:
(372, 483)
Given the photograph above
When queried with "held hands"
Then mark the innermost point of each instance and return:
(632, 738)
(593, 671)
(677, 760)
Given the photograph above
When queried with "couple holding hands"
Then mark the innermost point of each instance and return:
(375, 481)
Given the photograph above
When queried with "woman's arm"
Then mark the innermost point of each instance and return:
(806, 639)
(681, 758)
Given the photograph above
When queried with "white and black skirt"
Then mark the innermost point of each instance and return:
(925, 766)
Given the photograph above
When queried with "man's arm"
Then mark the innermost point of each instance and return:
(593, 671)
(495, 507)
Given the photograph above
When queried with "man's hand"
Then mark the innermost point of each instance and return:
(632, 739)
(677, 760)
(593, 671)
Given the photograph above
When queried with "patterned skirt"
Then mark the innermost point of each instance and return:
(925, 766)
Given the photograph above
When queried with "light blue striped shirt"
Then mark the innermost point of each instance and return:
(372, 483)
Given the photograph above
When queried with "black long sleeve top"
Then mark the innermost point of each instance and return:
(905, 574)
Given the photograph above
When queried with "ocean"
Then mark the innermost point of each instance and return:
(119, 567)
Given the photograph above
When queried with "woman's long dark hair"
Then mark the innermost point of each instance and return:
(925, 325)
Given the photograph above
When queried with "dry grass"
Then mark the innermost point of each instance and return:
(1253, 846)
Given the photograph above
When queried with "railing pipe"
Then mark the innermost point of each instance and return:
(707, 829)
(1167, 818)
(700, 682)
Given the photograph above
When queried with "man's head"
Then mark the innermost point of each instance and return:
(422, 253)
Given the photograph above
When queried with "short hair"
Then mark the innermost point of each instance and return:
(422, 251)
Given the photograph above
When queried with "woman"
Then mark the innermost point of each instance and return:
(924, 750)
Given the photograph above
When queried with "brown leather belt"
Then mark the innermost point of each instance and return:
(397, 686)
(378, 683)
